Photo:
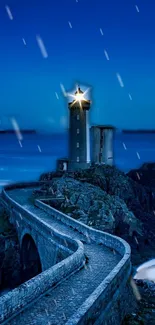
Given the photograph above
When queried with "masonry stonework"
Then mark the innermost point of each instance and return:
(106, 305)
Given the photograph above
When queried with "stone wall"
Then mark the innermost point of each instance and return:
(97, 236)
(112, 300)
(16, 299)
(46, 239)
(106, 305)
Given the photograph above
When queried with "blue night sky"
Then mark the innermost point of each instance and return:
(28, 81)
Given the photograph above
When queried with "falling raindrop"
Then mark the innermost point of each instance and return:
(24, 41)
(138, 176)
(16, 128)
(42, 47)
(55, 302)
(130, 96)
(39, 148)
(124, 146)
(65, 242)
(9, 12)
(73, 291)
(138, 155)
(136, 240)
(137, 8)
(20, 143)
(86, 268)
(56, 95)
(70, 25)
(63, 90)
(120, 80)
(46, 312)
(106, 55)
(101, 31)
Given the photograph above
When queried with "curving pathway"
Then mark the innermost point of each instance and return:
(60, 303)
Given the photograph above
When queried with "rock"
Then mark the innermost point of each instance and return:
(10, 276)
(99, 209)
(139, 200)
(113, 202)
(145, 175)
(10, 262)
(145, 313)
(49, 176)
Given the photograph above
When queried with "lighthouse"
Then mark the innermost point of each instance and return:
(102, 138)
(79, 137)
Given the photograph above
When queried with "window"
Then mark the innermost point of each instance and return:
(78, 131)
(77, 159)
(78, 116)
(77, 145)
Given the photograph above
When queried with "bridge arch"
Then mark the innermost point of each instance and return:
(30, 259)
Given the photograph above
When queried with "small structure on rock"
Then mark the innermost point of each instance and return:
(102, 144)
(62, 164)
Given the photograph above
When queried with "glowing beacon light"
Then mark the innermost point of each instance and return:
(79, 141)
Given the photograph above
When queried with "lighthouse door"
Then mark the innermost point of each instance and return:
(64, 167)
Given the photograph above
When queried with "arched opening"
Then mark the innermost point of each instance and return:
(30, 259)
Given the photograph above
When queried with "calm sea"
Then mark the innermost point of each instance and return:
(39, 152)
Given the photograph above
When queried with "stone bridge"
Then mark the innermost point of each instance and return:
(78, 275)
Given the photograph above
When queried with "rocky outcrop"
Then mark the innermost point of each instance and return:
(145, 175)
(107, 199)
(145, 311)
(139, 200)
(10, 275)
(92, 205)
(121, 196)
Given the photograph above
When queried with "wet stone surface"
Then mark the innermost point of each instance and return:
(58, 305)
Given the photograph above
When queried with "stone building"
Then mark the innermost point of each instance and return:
(102, 144)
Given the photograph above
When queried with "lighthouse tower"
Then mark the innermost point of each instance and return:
(79, 137)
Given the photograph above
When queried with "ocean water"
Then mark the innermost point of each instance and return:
(27, 162)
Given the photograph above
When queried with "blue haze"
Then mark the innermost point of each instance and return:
(27, 163)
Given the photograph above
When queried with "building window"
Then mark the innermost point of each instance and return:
(78, 116)
(77, 159)
(78, 131)
(77, 145)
